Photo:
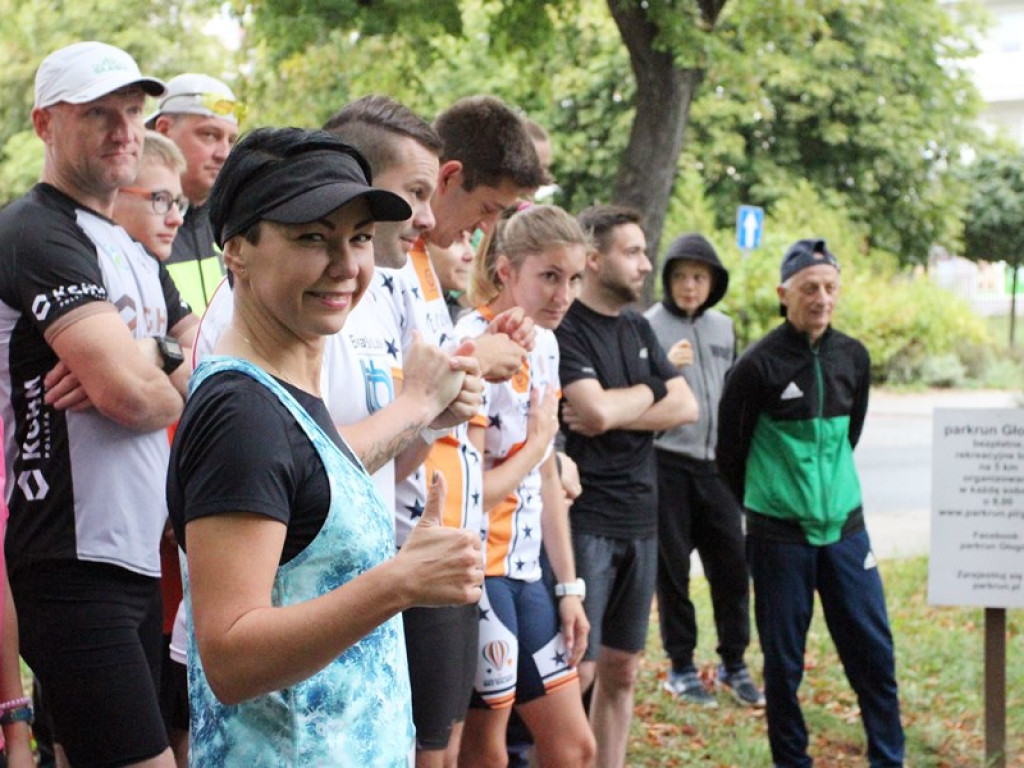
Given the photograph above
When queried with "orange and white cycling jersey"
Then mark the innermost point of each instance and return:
(419, 305)
(514, 524)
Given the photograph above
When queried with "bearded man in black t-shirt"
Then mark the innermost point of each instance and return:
(619, 389)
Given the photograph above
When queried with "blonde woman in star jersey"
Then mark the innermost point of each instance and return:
(530, 641)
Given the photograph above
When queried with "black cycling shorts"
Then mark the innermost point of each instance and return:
(441, 646)
(91, 634)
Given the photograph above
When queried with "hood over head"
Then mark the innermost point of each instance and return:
(693, 247)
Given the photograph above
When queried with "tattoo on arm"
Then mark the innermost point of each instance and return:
(383, 449)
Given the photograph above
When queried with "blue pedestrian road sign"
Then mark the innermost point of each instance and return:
(749, 226)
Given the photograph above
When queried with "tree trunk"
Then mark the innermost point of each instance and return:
(647, 169)
(1013, 301)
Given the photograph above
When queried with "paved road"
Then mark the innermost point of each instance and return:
(894, 461)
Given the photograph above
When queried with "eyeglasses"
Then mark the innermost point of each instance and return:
(214, 102)
(160, 199)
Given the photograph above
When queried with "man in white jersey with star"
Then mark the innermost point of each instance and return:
(469, 190)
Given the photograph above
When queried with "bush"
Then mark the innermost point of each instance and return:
(21, 162)
(943, 371)
(915, 331)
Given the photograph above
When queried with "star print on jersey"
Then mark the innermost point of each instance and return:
(485, 614)
(514, 531)
(388, 281)
(421, 306)
(415, 509)
(392, 347)
(471, 454)
(558, 658)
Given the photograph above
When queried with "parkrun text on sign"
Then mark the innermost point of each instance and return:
(977, 546)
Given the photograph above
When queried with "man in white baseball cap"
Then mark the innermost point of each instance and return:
(95, 376)
(201, 115)
(85, 71)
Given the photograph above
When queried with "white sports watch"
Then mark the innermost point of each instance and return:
(576, 588)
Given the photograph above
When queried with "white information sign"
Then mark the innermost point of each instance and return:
(977, 547)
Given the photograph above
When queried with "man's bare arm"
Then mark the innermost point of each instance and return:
(109, 364)
(591, 409)
(185, 332)
(500, 357)
(434, 382)
(678, 407)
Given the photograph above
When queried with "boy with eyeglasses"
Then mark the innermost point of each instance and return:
(153, 208)
(201, 115)
(151, 211)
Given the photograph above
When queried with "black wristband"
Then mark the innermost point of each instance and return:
(657, 386)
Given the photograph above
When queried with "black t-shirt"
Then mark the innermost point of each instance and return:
(238, 449)
(194, 240)
(619, 498)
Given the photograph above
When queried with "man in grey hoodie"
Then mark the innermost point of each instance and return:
(695, 508)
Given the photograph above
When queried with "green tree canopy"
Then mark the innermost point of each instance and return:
(994, 217)
(165, 36)
(860, 98)
(864, 98)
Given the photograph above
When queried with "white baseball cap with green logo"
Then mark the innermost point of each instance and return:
(85, 71)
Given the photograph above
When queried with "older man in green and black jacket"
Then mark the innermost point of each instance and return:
(790, 416)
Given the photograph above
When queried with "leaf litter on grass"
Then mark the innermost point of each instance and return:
(939, 658)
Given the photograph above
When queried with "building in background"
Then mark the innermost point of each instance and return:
(998, 73)
(999, 67)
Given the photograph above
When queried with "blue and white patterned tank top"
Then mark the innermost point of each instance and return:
(356, 711)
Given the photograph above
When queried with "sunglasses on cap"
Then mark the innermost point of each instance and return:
(160, 199)
(216, 103)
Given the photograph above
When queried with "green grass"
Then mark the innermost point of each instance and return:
(940, 663)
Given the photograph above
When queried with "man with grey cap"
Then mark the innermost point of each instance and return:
(790, 416)
(201, 115)
(92, 375)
